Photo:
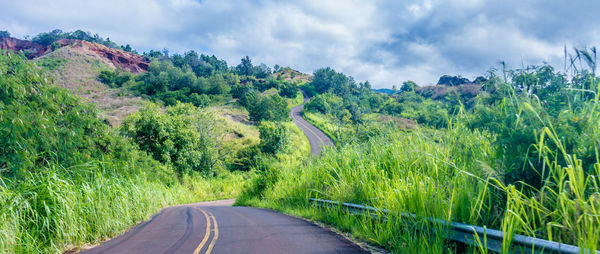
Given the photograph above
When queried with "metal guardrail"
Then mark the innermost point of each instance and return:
(463, 233)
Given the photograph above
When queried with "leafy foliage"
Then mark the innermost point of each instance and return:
(274, 138)
(265, 107)
(183, 136)
(246, 68)
(43, 124)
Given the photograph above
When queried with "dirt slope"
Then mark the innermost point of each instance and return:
(292, 75)
(76, 68)
(30, 49)
(113, 57)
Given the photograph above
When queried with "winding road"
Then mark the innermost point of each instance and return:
(220, 228)
(316, 137)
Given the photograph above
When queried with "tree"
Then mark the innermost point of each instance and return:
(318, 104)
(265, 107)
(245, 67)
(48, 38)
(4, 34)
(328, 80)
(127, 48)
(183, 136)
(274, 137)
(408, 86)
(261, 71)
(288, 89)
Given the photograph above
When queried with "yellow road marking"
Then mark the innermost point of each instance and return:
(206, 235)
(214, 240)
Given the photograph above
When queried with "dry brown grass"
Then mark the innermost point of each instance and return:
(292, 75)
(401, 123)
(79, 72)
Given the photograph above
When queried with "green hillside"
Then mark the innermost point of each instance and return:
(89, 149)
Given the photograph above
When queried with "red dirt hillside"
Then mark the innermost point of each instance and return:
(31, 49)
(118, 58)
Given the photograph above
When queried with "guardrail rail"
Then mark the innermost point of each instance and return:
(463, 233)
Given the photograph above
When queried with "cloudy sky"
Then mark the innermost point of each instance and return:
(385, 42)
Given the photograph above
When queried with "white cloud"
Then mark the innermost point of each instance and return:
(385, 42)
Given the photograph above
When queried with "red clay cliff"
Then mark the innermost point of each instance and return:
(119, 58)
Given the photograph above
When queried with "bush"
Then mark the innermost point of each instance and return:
(288, 89)
(274, 138)
(41, 123)
(247, 158)
(183, 136)
(318, 104)
(265, 107)
(114, 79)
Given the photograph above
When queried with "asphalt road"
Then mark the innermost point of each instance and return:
(217, 227)
(316, 137)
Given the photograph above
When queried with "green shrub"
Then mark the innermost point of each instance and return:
(116, 78)
(274, 138)
(183, 136)
(318, 104)
(288, 89)
(265, 107)
(247, 158)
(42, 124)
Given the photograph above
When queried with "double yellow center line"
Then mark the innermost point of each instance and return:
(209, 216)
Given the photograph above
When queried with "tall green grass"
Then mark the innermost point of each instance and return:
(67, 179)
(52, 211)
(448, 174)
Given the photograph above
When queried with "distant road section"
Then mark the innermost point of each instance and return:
(316, 137)
(217, 227)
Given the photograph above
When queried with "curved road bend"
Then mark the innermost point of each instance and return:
(316, 137)
(217, 227)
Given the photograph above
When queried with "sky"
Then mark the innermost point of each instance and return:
(385, 42)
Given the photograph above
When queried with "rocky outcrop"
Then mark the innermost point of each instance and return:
(30, 49)
(118, 58)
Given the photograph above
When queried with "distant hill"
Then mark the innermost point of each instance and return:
(290, 74)
(384, 90)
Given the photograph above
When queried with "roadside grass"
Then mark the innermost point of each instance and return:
(235, 121)
(299, 146)
(346, 132)
(434, 173)
(51, 211)
(325, 124)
